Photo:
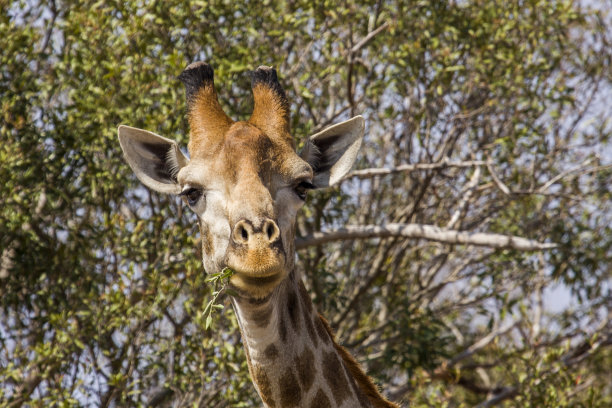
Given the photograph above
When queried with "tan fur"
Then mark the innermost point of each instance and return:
(207, 121)
(364, 382)
(269, 113)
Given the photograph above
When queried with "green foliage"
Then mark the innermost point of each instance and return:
(103, 298)
(216, 279)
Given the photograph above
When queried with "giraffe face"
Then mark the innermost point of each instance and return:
(244, 180)
(246, 197)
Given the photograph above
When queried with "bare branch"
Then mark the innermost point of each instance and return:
(469, 191)
(480, 344)
(579, 170)
(30, 383)
(160, 396)
(420, 231)
(538, 302)
(565, 173)
(588, 346)
(504, 394)
(504, 189)
(368, 38)
(407, 168)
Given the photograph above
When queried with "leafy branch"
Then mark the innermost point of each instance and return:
(219, 282)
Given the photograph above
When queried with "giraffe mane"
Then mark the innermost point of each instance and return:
(364, 382)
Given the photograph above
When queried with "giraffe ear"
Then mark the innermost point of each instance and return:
(332, 152)
(154, 159)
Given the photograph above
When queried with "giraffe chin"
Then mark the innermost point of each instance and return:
(257, 285)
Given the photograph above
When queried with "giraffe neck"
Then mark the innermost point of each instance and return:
(292, 357)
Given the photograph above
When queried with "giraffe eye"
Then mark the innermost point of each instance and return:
(302, 188)
(192, 195)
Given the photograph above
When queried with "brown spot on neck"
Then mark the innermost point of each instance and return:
(260, 378)
(335, 377)
(320, 400)
(305, 364)
(364, 383)
(271, 352)
(290, 392)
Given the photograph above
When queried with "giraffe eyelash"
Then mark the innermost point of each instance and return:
(192, 195)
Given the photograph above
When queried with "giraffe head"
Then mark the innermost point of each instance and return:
(244, 180)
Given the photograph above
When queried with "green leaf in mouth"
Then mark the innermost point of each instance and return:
(219, 282)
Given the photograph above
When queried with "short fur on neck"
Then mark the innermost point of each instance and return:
(293, 357)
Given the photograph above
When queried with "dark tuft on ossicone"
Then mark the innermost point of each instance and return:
(266, 76)
(195, 76)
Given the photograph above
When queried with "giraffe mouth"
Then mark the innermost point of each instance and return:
(258, 265)
(257, 285)
(257, 271)
(259, 280)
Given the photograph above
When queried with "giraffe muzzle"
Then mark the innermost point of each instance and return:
(256, 254)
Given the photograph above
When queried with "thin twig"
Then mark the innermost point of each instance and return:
(503, 188)
(467, 196)
(504, 394)
(579, 170)
(368, 38)
(480, 344)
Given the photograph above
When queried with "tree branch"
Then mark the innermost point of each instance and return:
(30, 383)
(420, 231)
(579, 170)
(483, 342)
(160, 396)
(406, 168)
(503, 394)
(368, 38)
(502, 187)
(469, 189)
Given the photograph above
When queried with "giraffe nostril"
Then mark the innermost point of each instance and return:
(270, 231)
(242, 232)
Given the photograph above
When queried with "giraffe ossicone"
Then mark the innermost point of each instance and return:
(246, 183)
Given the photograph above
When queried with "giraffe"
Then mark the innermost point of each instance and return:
(245, 182)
